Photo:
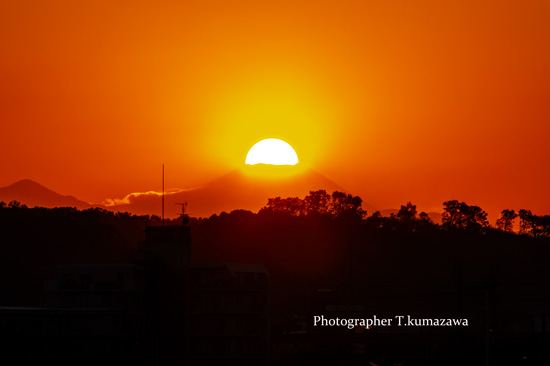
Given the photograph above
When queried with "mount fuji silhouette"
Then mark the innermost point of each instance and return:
(235, 190)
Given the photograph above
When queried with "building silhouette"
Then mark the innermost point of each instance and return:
(157, 309)
(229, 314)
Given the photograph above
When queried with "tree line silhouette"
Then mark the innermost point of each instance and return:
(456, 215)
(319, 202)
(318, 229)
(343, 206)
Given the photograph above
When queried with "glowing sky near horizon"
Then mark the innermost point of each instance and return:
(396, 101)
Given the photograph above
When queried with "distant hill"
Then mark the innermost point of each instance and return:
(235, 190)
(33, 194)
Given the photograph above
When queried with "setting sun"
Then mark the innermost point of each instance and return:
(272, 152)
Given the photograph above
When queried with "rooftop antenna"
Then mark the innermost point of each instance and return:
(162, 194)
(183, 215)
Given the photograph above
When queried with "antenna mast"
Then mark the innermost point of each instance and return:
(162, 194)
(183, 215)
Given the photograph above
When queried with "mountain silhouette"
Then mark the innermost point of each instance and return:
(235, 190)
(33, 194)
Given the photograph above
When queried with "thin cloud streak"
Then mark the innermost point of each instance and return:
(110, 202)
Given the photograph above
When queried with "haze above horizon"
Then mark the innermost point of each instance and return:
(397, 102)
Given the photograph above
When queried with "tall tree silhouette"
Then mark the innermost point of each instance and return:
(407, 212)
(506, 220)
(343, 204)
(525, 218)
(317, 202)
(290, 205)
(459, 215)
(533, 224)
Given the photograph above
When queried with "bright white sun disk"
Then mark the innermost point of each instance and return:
(272, 151)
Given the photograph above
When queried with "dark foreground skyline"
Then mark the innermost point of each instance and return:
(338, 265)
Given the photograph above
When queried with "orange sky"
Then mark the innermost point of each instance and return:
(393, 100)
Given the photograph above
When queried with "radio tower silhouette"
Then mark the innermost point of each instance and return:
(183, 215)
